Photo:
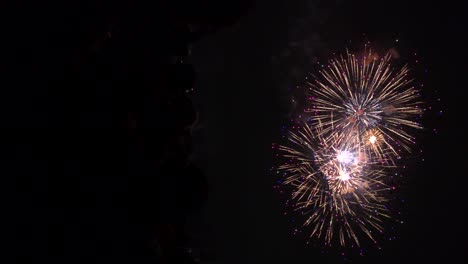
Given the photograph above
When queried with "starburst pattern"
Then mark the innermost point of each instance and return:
(361, 114)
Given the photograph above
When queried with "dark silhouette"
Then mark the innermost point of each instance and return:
(98, 121)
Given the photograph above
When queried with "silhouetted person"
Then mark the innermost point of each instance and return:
(97, 123)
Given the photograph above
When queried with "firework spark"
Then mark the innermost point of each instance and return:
(355, 95)
(361, 114)
(334, 185)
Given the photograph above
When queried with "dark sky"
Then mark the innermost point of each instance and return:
(244, 75)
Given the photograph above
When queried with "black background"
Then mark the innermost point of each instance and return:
(73, 173)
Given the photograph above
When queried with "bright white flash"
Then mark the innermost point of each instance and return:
(343, 176)
(345, 157)
(372, 139)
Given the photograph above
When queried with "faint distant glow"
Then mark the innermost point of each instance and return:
(372, 139)
(345, 157)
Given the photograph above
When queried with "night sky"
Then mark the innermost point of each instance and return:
(139, 133)
(246, 78)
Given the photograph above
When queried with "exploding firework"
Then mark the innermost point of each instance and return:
(361, 114)
(334, 185)
(359, 95)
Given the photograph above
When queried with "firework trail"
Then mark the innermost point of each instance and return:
(361, 115)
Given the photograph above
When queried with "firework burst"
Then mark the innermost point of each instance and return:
(361, 114)
(358, 95)
(334, 185)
